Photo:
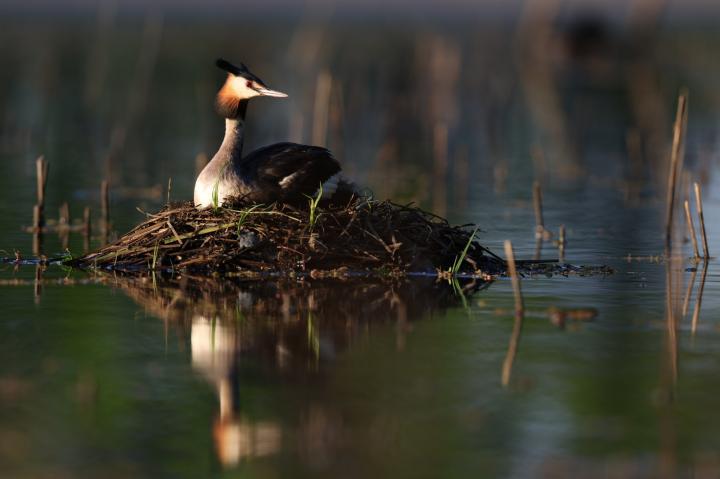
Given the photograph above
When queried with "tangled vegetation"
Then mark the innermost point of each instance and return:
(363, 235)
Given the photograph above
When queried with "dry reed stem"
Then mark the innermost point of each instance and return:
(561, 244)
(701, 216)
(37, 230)
(41, 170)
(683, 129)
(678, 137)
(691, 230)
(537, 206)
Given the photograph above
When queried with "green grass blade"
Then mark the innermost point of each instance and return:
(459, 260)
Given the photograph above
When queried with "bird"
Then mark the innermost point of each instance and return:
(282, 172)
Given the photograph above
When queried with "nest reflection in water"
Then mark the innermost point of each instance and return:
(272, 318)
(288, 329)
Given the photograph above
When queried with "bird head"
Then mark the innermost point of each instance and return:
(240, 85)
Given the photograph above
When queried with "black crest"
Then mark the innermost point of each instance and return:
(239, 71)
(230, 68)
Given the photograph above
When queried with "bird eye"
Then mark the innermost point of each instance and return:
(248, 84)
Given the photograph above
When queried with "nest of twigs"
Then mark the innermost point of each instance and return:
(364, 235)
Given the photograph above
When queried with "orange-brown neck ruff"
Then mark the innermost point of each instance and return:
(228, 104)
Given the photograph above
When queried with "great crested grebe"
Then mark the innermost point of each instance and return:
(283, 172)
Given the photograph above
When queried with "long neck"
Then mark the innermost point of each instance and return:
(231, 147)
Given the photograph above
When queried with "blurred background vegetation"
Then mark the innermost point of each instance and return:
(434, 103)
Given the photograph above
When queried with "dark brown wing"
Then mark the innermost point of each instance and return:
(287, 171)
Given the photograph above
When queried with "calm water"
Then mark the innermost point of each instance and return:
(191, 377)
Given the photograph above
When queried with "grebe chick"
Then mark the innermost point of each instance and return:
(283, 172)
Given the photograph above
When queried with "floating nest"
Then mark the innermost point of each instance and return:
(362, 236)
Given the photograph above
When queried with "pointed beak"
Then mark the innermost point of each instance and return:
(267, 92)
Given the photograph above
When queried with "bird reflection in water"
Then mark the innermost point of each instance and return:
(289, 328)
(215, 356)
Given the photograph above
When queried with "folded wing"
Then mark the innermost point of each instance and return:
(287, 172)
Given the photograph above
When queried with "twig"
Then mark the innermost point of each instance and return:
(41, 168)
(698, 204)
(177, 236)
(537, 205)
(37, 230)
(678, 136)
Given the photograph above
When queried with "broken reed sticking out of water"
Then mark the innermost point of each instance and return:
(362, 235)
(676, 160)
